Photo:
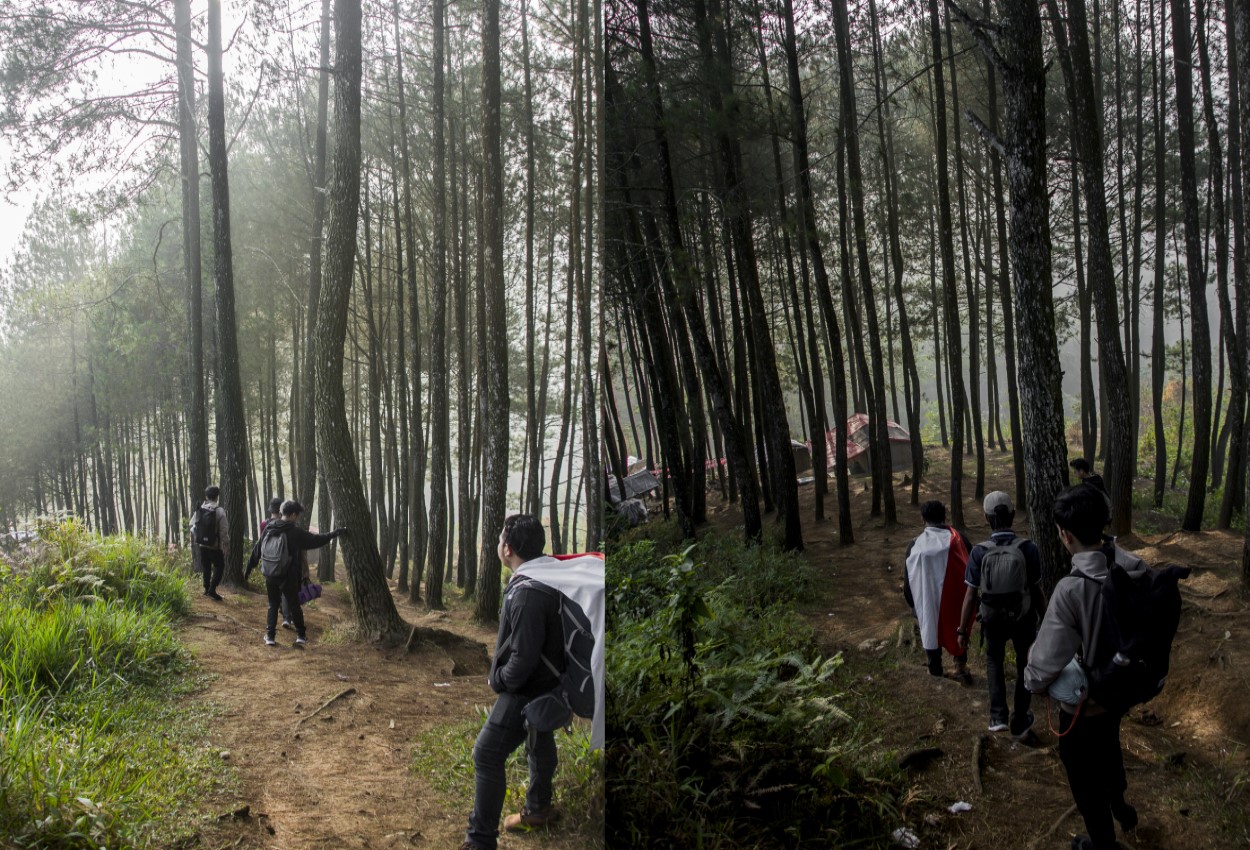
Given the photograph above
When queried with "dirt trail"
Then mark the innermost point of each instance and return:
(335, 776)
(1187, 753)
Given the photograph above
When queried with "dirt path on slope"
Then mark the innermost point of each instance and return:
(322, 738)
(1187, 753)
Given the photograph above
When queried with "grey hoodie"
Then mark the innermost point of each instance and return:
(1071, 625)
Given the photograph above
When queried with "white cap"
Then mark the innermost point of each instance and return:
(996, 499)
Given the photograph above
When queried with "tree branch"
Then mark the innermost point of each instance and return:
(979, 30)
(991, 138)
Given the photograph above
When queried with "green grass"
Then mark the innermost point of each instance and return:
(444, 758)
(98, 747)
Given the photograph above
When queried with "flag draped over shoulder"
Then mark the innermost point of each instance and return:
(935, 573)
(580, 579)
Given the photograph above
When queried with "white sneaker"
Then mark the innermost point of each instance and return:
(270, 641)
(286, 624)
(998, 727)
(300, 642)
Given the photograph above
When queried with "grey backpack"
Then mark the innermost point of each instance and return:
(275, 557)
(1004, 582)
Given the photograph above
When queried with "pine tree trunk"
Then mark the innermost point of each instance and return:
(232, 452)
(1023, 150)
(974, 331)
(737, 210)
(1157, 352)
(911, 375)
(954, 343)
(376, 617)
(1200, 332)
(674, 275)
(1087, 121)
(495, 425)
(1234, 483)
(189, 170)
(811, 241)
(305, 481)
(1239, 20)
(880, 442)
(440, 440)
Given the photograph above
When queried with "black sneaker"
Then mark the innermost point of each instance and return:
(212, 594)
(1125, 814)
(270, 641)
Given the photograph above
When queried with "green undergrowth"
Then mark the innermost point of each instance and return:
(727, 727)
(97, 750)
(444, 758)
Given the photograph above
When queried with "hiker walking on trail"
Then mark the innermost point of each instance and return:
(281, 552)
(1073, 628)
(210, 540)
(933, 587)
(1004, 573)
(528, 663)
(275, 513)
(1087, 475)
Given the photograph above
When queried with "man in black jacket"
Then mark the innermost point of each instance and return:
(529, 630)
(287, 585)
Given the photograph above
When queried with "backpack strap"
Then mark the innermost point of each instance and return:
(527, 583)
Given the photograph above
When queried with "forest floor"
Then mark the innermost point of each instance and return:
(322, 741)
(1187, 753)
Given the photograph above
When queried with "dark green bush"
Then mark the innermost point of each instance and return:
(724, 725)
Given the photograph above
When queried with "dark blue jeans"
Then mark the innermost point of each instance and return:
(996, 636)
(502, 733)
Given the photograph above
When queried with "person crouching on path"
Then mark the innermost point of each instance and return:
(1005, 572)
(287, 585)
(930, 557)
(529, 631)
(1089, 746)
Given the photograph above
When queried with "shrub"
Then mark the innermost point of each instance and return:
(723, 720)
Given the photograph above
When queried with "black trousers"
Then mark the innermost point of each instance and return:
(285, 590)
(213, 565)
(996, 636)
(1091, 754)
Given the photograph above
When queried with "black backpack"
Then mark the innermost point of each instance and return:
(275, 556)
(575, 693)
(1004, 582)
(1139, 620)
(204, 529)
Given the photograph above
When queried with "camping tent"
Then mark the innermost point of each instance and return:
(857, 441)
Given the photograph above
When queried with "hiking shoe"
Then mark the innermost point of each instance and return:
(1027, 738)
(287, 624)
(1125, 814)
(528, 820)
(212, 594)
(998, 727)
(1028, 728)
(300, 642)
(270, 641)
